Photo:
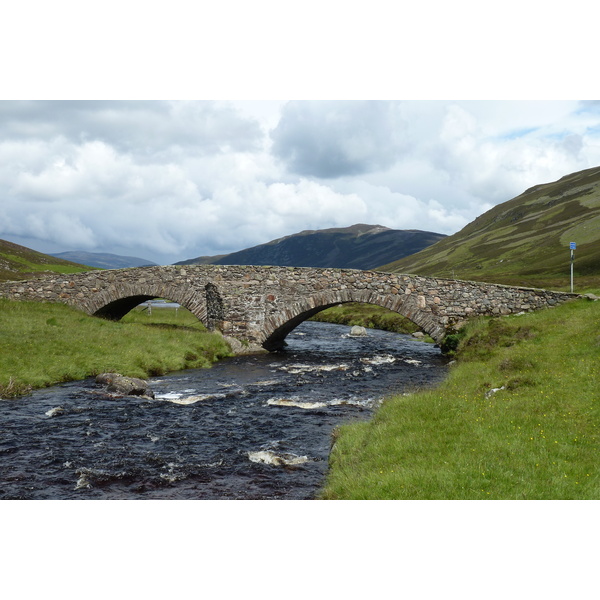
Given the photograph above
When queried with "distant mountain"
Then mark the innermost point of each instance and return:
(18, 262)
(524, 241)
(104, 260)
(203, 260)
(356, 247)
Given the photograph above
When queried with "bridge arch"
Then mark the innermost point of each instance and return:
(279, 325)
(120, 298)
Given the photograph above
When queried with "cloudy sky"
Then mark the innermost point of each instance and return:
(169, 181)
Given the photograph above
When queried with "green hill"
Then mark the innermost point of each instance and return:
(524, 241)
(18, 262)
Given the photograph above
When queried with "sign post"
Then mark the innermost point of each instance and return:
(572, 245)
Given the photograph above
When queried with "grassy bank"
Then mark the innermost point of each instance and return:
(42, 344)
(366, 315)
(537, 438)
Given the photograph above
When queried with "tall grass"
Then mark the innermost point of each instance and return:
(42, 344)
(517, 418)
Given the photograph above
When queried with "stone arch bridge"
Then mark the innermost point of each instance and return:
(259, 306)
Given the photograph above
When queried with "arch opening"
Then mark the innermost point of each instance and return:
(368, 315)
(168, 311)
(117, 309)
(276, 339)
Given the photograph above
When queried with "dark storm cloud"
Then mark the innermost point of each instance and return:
(141, 128)
(332, 139)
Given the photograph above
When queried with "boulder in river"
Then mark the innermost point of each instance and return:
(127, 386)
(358, 331)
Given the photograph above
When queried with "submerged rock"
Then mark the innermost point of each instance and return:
(295, 403)
(127, 386)
(284, 459)
(379, 359)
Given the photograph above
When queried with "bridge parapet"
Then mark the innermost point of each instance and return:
(261, 305)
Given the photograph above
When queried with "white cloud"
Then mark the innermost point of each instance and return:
(259, 212)
(169, 181)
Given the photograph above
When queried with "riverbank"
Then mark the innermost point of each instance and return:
(517, 418)
(42, 344)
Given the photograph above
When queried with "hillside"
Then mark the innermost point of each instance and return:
(104, 260)
(18, 262)
(524, 241)
(356, 247)
(515, 419)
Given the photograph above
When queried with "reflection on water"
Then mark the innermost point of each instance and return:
(256, 427)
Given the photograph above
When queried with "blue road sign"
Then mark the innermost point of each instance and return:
(572, 245)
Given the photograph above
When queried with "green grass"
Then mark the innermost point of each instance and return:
(27, 266)
(42, 344)
(164, 318)
(538, 438)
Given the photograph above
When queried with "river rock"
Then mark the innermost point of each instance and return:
(57, 410)
(358, 331)
(270, 458)
(127, 386)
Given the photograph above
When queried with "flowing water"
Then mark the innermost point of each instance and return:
(253, 427)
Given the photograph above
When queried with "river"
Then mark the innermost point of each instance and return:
(250, 427)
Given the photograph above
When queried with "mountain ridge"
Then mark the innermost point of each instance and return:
(525, 240)
(103, 260)
(358, 246)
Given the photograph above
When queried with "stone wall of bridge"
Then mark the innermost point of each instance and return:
(261, 305)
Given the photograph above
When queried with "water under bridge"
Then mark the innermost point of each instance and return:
(258, 306)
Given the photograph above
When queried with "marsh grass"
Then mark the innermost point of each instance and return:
(42, 344)
(536, 437)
